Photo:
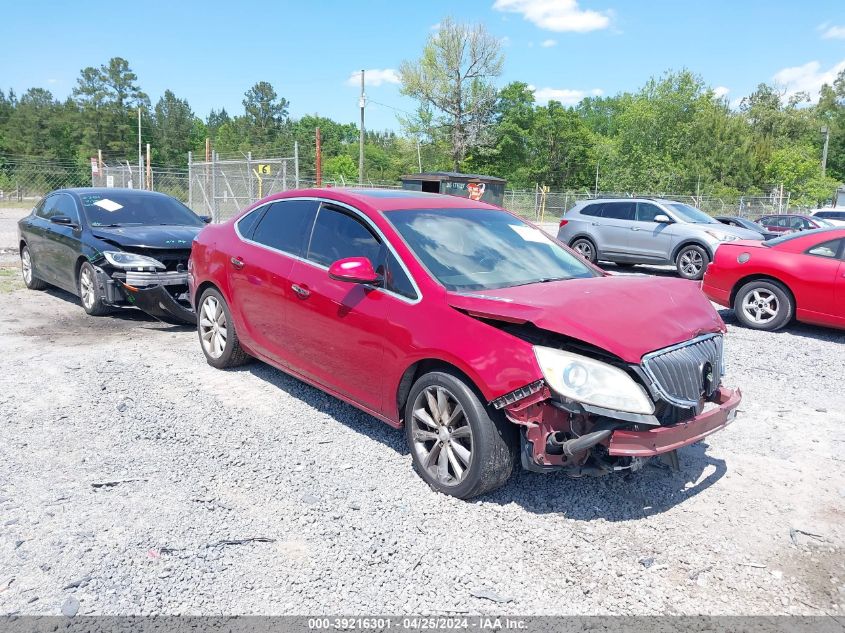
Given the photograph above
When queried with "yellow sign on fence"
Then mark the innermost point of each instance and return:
(265, 170)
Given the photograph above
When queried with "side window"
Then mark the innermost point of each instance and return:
(39, 208)
(618, 210)
(51, 207)
(247, 223)
(646, 212)
(592, 210)
(338, 235)
(286, 226)
(66, 206)
(798, 223)
(829, 249)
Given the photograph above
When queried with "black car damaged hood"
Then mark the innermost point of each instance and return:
(153, 237)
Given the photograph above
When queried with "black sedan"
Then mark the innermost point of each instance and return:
(112, 248)
(745, 223)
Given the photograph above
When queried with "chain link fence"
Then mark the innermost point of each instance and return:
(24, 180)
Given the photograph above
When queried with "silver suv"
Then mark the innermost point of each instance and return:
(630, 231)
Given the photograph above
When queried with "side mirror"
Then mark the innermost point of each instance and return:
(63, 220)
(206, 218)
(356, 270)
(662, 218)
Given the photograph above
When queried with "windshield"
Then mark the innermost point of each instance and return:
(691, 214)
(479, 249)
(127, 208)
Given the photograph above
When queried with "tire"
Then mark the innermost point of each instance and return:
(480, 448)
(764, 305)
(89, 295)
(218, 338)
(624, 265)
(586, 248)
(691, 262)
(28, 272)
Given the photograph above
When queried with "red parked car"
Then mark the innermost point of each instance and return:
(799, 275)
(475, 330)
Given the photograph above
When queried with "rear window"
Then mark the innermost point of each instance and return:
(593, 210)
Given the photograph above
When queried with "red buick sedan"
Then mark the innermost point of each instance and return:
(481, 335)
(800, 275)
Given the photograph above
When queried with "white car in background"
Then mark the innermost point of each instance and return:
(835, 216)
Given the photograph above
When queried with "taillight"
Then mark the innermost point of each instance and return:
(563, 223)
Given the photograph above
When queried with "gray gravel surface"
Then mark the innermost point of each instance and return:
(136, 479)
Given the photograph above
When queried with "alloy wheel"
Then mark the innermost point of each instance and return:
(442, 436)
(87, 290)
(760, 305)
(692, 262)
(585, 249)
(26, 266)
(213, 327)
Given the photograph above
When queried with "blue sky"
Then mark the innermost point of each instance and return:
(211, 52)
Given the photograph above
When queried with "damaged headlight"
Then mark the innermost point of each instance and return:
(592, 382)
(121, 259)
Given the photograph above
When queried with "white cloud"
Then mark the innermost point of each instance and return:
(833, 32)
(548, 43)
(721, 91)
(505, 41)
(565, 96)
(807, 78)
(556, 15)
(374, 77)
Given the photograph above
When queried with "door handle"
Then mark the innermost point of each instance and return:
(237, 262)
(634, 228)
(303, 293)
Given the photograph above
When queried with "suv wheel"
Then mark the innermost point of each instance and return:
(586, 249)
(691, 262)
(458, 445)
(763, 305)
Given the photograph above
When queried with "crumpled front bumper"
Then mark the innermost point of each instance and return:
(663, 439)
(158, 302)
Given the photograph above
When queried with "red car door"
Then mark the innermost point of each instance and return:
(260, 266)
(337, 328)
(818, 294)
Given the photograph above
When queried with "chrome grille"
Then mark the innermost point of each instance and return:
(164, 278)
(679, 372)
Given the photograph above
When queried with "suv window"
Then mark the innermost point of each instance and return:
(830, 215)
(286, 225)
(592, 210)
(829, 249)
(646, 212)
(618, 210)
(337, 234)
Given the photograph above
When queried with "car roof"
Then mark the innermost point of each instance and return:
(105, 191)
(387, 199)
(634, 199)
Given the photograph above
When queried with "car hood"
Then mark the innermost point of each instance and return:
(164, 237)
(626, 316)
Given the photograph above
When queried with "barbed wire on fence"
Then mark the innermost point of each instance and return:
(222, 186)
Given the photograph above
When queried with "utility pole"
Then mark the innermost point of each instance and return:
(826, 132)
(419, 157)
(597, 180)
(149, 170)
(319, 161)
(362, 103)
(140, 158)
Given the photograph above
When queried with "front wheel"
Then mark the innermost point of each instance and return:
(586, 249)
(458, 445)
(32, 282)
(763, 305)
(218, 338)
(89, 292)
(691, 262)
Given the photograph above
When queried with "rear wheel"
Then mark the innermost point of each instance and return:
(458, 445)
(89, 292)
(586, 249)
(218, 338)
(763, 305)
(32, 282)
(692, 261)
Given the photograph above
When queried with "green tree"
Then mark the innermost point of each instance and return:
(174, 123)
(453, 82)
(265, 112)
(341, 168)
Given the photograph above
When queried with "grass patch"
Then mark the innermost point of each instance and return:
(10, 279)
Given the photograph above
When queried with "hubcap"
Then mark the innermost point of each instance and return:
(691, 263)
(26, 266)
(442, 436)
(213, 330)
(86, 288)
(584, 249)
(760, 306)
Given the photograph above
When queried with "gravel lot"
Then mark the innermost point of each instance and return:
(136, 479)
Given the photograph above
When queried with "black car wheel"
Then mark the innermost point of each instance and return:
(585, 248)
(691, 262)
(89, 291)
(218, 338)
(458, 445)
(32, 282)
(763, 305)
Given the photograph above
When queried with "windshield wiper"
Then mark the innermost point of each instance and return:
(542, 280)
(107, 226)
